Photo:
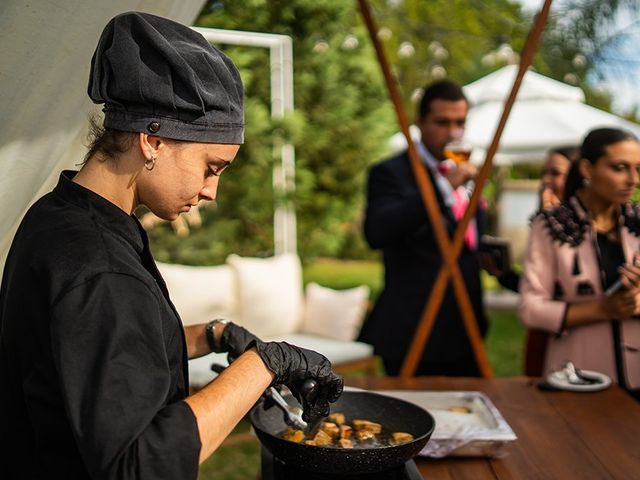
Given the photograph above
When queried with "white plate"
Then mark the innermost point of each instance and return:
(559, 380)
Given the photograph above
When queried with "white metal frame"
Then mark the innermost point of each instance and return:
(281, 59)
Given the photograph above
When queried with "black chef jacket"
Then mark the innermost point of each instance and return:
(93, 366)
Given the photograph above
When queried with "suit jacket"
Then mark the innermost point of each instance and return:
(562, 266)
(397, 223)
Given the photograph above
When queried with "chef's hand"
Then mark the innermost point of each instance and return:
(235, 340)
(293, 366)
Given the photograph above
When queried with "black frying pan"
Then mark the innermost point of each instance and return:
(394, 414)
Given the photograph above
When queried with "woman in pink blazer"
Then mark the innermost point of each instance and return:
(580, 248)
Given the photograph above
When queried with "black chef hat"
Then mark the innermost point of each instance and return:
(163, 78)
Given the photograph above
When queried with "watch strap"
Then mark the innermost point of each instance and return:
(210, 331)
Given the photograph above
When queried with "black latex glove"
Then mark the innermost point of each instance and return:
(235, 340)
(292, 366)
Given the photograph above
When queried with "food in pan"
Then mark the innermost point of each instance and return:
(330, 429)
(321, 438)
(401, 437)
(336, 432)
(293, 435)
(459, 409)
(345, 431)
(366, 426)
(345, 443)
(337, 418)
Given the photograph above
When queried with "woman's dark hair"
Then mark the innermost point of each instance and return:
(570, 152)
(109, 143)
(593, 147)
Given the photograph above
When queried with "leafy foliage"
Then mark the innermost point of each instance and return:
(341, 124)
(449, 37)
(343, 116)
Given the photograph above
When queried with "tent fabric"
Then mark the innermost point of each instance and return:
(534, 127)
(45, 53)
(496, 86)
(546, 113)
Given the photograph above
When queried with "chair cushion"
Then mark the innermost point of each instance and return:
(200, 372)
(269, 293)
(337, 351)
(200, 294)
(336, 314)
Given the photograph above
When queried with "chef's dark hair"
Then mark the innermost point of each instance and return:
(593, 148)
(106, 142)
(440, 90)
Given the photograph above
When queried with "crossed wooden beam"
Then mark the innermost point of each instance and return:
(450, 248)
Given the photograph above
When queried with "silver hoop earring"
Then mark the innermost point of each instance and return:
(150, 163)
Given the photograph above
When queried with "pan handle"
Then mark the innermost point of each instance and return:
(216, 367)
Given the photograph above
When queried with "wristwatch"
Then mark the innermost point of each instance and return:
(210, 331)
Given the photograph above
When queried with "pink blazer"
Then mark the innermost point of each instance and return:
(562, 266)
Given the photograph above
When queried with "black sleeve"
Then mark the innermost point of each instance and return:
(510, 280)
(109, 352)
(394, 211)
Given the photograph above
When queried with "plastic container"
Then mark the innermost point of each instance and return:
(467, 423)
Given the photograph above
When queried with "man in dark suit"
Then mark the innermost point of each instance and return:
(397, 222)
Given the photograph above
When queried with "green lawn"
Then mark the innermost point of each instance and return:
(238, 458)
(505, 344)
(505, 339)
(341, 274)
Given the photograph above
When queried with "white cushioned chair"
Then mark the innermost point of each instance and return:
(265, 295)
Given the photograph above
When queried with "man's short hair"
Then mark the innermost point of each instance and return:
(440, 90)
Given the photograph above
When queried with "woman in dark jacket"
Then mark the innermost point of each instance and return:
(93, 356)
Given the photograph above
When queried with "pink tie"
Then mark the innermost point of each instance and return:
(458, 208)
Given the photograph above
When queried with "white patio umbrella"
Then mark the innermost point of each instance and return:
(547, 113)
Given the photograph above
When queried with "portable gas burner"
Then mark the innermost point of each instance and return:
(275, 469)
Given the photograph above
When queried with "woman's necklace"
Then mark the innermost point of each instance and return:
(606, 223)
(611, 233)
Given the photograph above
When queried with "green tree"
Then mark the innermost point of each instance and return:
(342, 121)
(343, 115)
(428, 39)
(578, 38)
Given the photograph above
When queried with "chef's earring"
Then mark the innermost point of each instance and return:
(150, 163)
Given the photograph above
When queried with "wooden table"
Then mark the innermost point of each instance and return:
(561, 435)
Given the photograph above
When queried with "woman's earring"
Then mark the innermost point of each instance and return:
(150, 163)
(585, 181)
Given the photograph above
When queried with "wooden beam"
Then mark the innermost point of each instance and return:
(449, 265)
(451, 250)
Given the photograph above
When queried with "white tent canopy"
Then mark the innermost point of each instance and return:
(45, 50)
(546, 113)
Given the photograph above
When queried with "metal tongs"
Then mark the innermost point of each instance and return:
(292, 414)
